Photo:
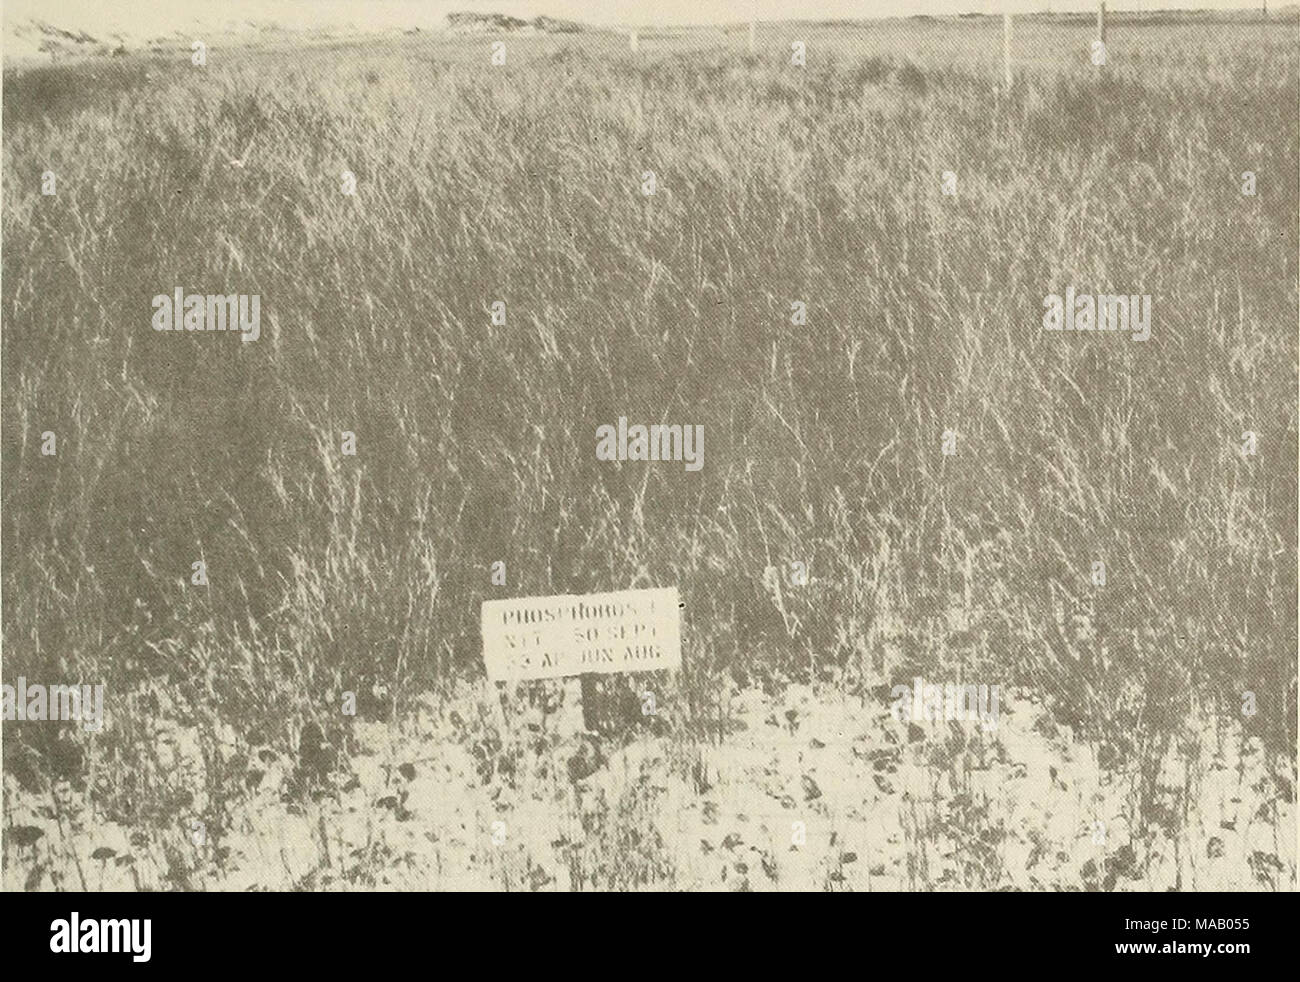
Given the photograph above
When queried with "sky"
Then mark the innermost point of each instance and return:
(155, 17)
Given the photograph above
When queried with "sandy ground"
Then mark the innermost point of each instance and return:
(808, 791)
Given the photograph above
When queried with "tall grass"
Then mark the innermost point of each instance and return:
(823, 442)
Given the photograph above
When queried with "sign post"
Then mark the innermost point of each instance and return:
(1101, 33)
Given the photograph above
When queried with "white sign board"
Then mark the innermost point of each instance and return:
(550, 637)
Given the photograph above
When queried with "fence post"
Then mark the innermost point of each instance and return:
(753, 26)
(1101, 33)
(1006, 49)
(632, 42)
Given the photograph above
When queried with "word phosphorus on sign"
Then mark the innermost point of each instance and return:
(550, 637)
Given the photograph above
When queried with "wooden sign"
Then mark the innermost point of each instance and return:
(577, 634)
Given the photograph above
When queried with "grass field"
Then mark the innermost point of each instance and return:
(475, 443)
